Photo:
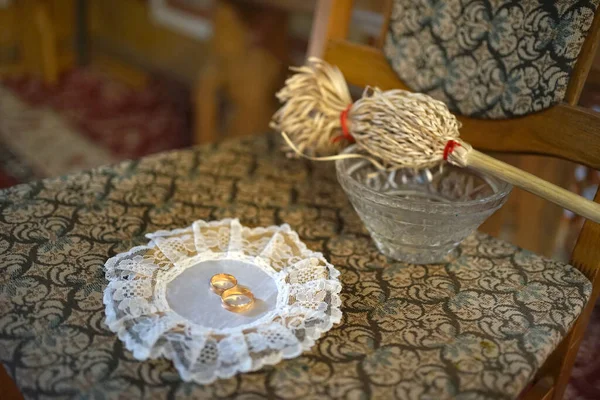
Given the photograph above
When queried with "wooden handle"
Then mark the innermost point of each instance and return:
(569, 200)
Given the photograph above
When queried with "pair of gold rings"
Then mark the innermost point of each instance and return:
(234, 298)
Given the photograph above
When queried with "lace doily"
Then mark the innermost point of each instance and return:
(159, 303)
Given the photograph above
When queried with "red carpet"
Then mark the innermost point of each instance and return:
(103, 120)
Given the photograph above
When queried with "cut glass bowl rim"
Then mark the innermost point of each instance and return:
(504, 189)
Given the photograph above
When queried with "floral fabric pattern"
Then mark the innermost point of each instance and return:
(476, 328)
(488, 58)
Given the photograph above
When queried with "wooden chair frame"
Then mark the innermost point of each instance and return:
(564, 131)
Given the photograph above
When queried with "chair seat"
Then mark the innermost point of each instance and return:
(476, 328)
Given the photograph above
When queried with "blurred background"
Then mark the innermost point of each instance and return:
(85, 83)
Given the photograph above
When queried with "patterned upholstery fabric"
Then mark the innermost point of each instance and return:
(476, 328)
(488, 58)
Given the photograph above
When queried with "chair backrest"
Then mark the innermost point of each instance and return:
(541, 133)
(564, 130)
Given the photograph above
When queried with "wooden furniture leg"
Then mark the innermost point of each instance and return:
(205, 102)
(243, 72)
(39, 40)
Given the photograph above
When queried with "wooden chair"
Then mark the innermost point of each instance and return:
(249, 52)
(565, 131)
(243, 74)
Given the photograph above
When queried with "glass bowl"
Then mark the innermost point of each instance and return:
(420, 216)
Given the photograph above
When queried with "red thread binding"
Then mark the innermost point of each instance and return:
(345, 131)
(450, 146)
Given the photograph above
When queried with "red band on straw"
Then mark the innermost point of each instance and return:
(450, 146)
(344, 122)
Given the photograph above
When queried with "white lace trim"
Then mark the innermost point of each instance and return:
(308, 301)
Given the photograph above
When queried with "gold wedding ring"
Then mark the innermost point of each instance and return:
(221, 282)
(237, 299)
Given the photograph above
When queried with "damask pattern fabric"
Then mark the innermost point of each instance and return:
(488, 58)
(476, 328)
